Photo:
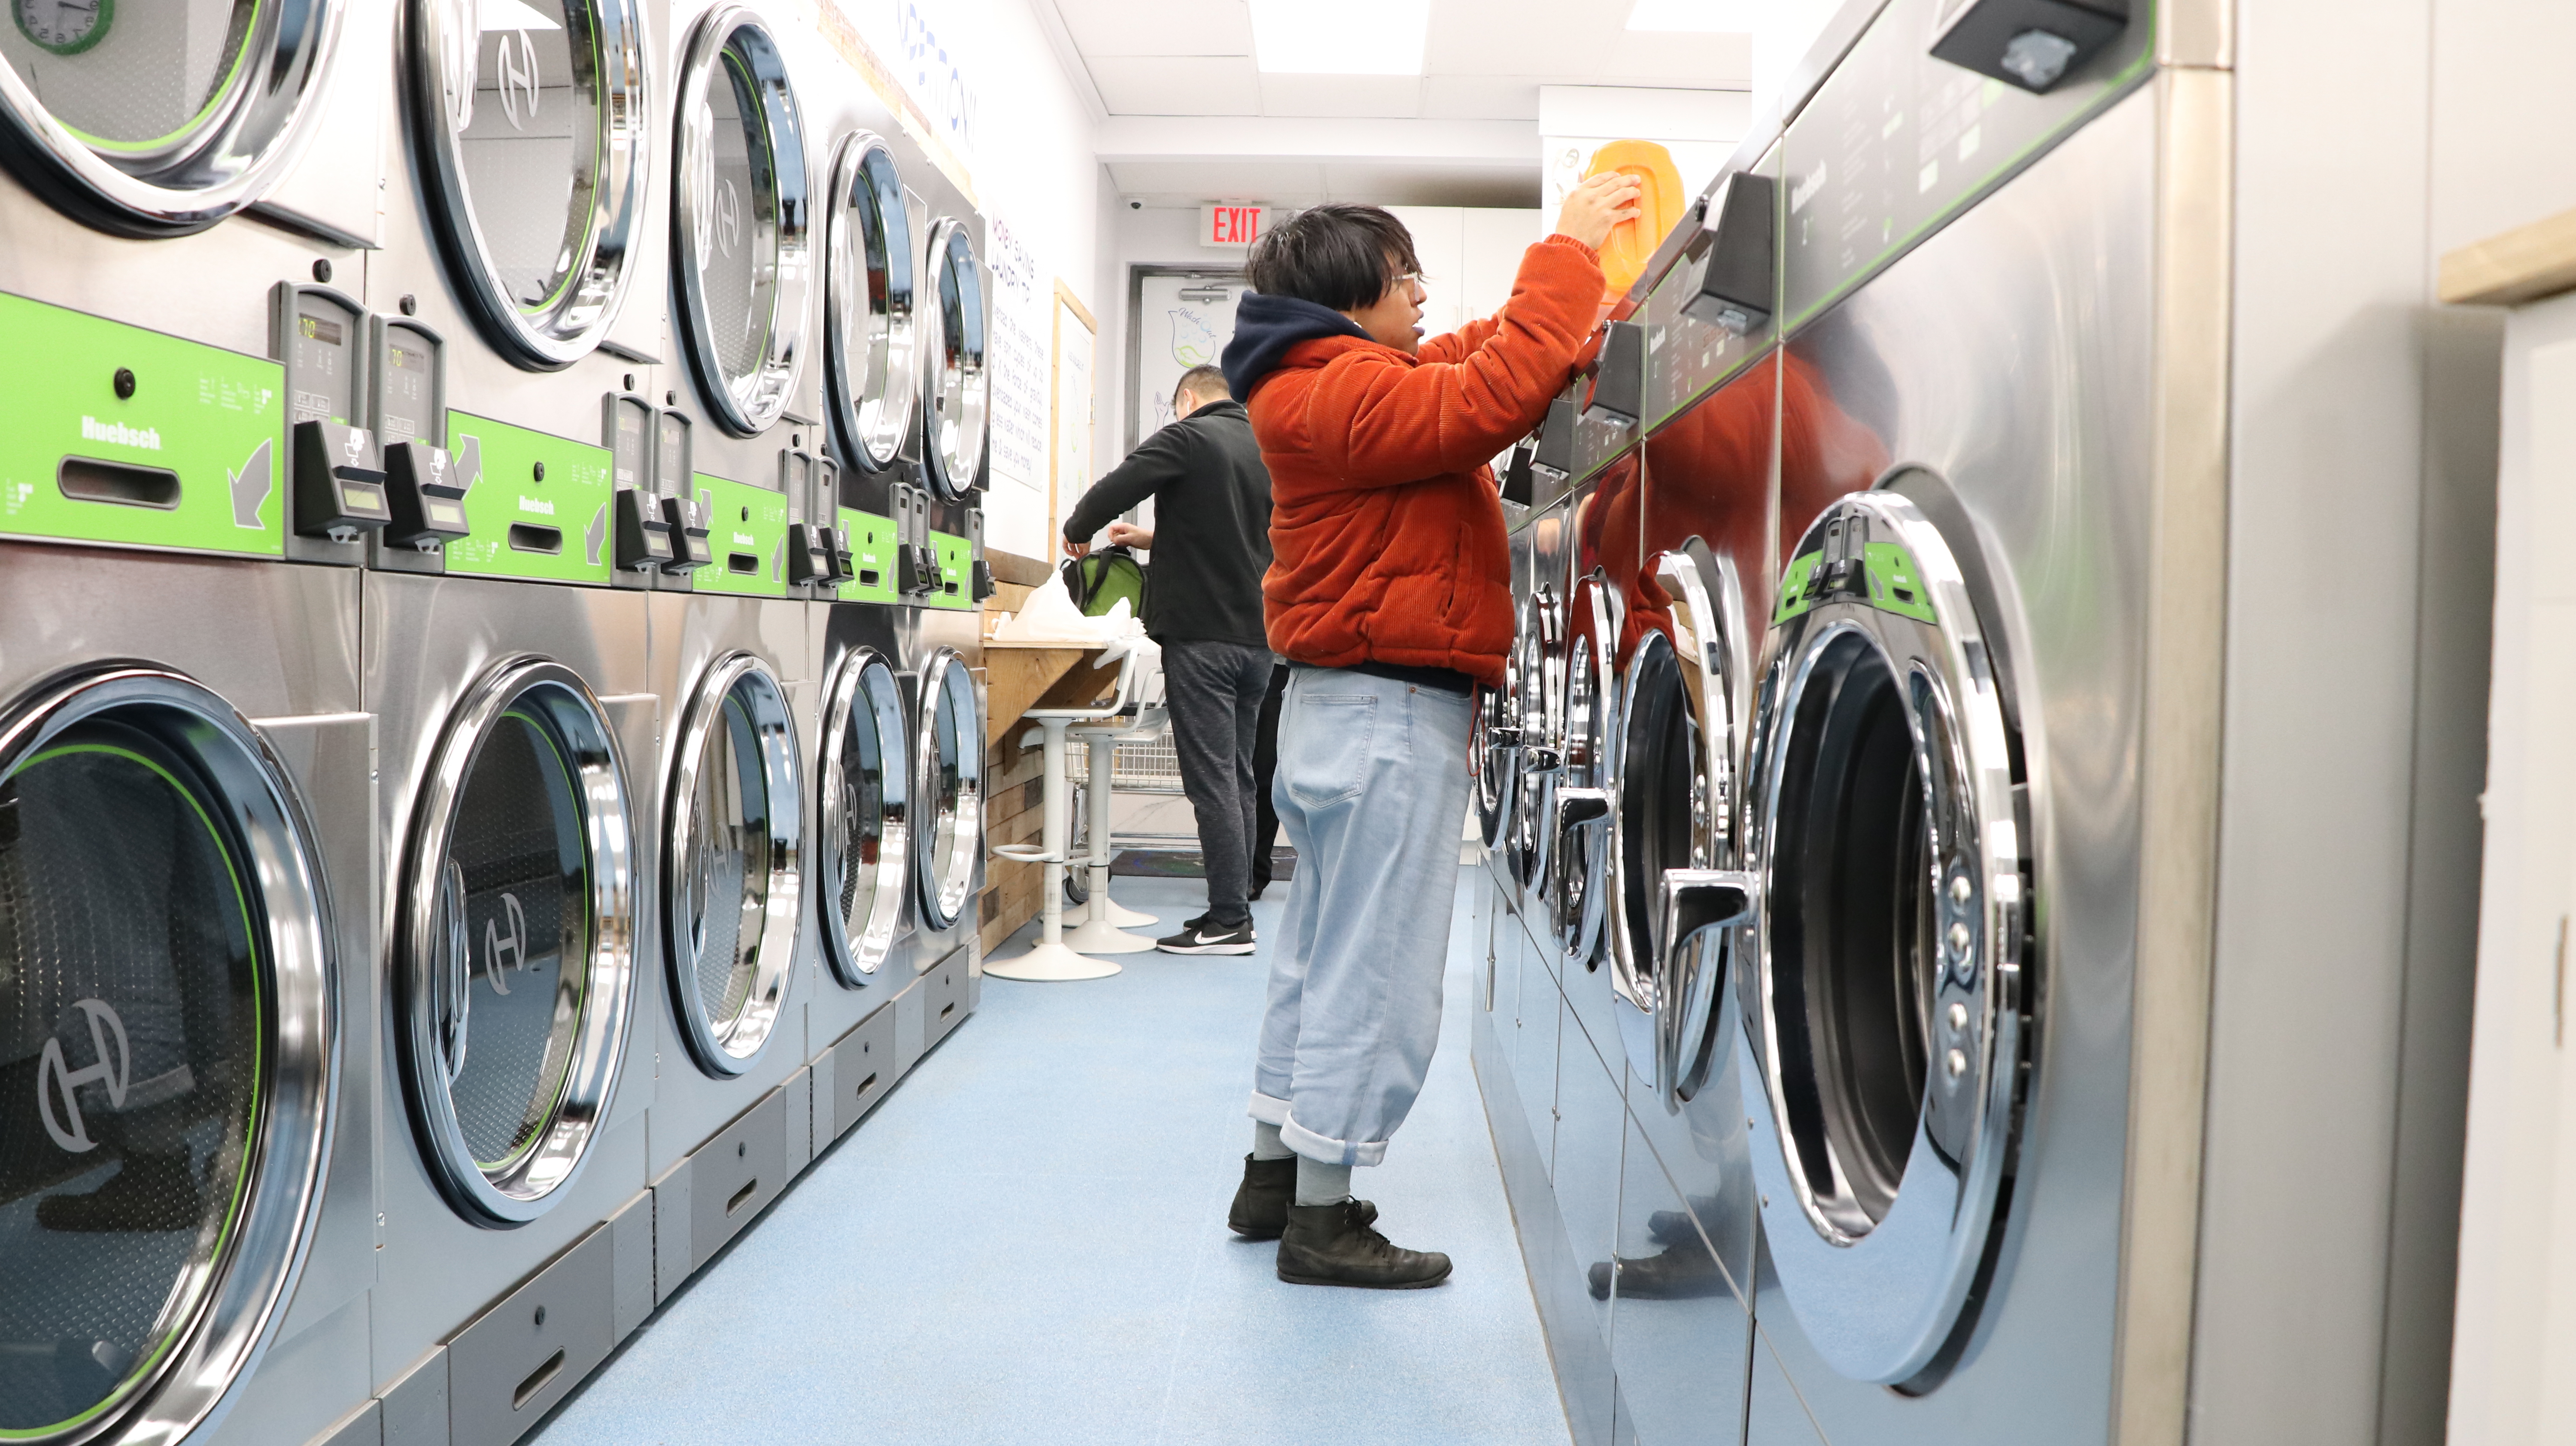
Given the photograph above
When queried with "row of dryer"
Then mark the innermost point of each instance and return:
(490, 778)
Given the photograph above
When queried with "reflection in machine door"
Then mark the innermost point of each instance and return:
(948, 790)
(731, 864)
(865, 842)
(1538, 680)
(1578, 889)
(514, 954)
(154, 120)
(956, 386)
(869, 354)
(1887, 1008)
(522, 117)
(740, 222)
(171, 1033)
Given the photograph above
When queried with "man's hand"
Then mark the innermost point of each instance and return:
(1601, 202)
(1076, 549)
(1128, 534)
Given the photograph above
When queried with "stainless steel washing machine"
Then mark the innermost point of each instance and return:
(185, 884)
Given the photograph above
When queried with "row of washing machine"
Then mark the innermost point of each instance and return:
(1844, 1011)
(491, 765)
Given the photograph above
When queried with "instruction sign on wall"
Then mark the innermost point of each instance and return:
(1017, 353)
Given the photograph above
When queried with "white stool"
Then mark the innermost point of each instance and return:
(1099, 932)
(1051, 959)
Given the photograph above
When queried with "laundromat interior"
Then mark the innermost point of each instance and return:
(579, 865)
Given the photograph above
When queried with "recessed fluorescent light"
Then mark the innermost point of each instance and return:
(1340, 37)
(1701, 16)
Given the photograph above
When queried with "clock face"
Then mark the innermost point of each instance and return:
(65, 27)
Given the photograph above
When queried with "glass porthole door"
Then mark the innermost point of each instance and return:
(1540, 673)
(1579, 867)
(956, 389)
(948, 752)
(731, 864)
(866, 842)
(170, 1022)
(1886, 1008)
(873, 370)
(528, 126)
(1675, 836)
(152, 120)
(740, 222)
(515, 942)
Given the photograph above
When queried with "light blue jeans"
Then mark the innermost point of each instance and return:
(1372, 789)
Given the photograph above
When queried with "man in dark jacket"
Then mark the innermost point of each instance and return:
(1211, 544)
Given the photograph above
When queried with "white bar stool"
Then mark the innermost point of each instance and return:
(1099, 932)
(1051, 959)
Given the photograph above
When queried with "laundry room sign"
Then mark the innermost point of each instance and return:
(1016, 353)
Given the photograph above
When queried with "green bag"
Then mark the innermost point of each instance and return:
(1099, 580)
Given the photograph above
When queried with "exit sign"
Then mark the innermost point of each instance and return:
(1231, 226)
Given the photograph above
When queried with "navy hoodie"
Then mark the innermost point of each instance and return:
(1265, 326)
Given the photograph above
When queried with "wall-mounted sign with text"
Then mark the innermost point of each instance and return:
(1234, 225)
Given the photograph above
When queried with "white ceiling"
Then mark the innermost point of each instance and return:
(1462, 133)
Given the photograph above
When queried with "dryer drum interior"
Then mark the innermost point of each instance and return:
(956, 390)
(1891, 990)
(534, 166)
(160, 119)
(170, 1030)
(731, 864)
(515, 935)
(866, 815)
(949, 754)
(740, 224)
(873, 371)
(1578, 870)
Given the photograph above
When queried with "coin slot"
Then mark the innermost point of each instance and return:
(742, 1197)
(85, 479)
(869, 576)
(743, 564)
(529, 537)
(538, 1379)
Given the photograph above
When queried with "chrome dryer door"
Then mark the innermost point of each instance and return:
(168, 1011)
(526, 120)
(948, 755)
(1580, 796)
(1538, 669)
(1885, 1008)
(732, 851)
(1675, 831)
(514, 952)
(872, 373)
(956, 388)
(865, 847)
(740, 222)
(154, 120)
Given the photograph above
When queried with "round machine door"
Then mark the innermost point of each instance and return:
(171, 1027)
(872, 372)
(1493, 754)
(1675, 829)
(514, 949)
(948, 752)
(740, 221)
(155, 120)
(1539, 667)
(1578, 892)
(866, 842)
(525, 124)
(1885, 1005)
(732, 841)
(956, 390)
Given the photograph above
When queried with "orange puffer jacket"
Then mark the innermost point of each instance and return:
(1386, 532)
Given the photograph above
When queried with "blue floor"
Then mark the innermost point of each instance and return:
(1026, 1243)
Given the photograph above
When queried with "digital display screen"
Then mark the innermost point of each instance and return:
(318, 383)
(671, 456)
(407, 390)
(626, 444)
(446, 516)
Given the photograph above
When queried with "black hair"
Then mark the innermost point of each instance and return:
(1338, 254)
(1203, 382)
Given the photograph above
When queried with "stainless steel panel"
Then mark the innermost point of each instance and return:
(1591, 1132)
(415, 1406)
(362, 1427)
(1684, 1318)
(734, 1176)
(796, 1125)
(1538, 1018)
(943, 1005)
(862, 1070)
(526, 1353)
(630, 1247)
(304, 1387)
(674, 1228)
(1775, 1414)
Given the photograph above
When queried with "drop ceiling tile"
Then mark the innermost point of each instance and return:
(1157, 27)
(1715, 61)
(1377, 97)
(1520, 37)
(1177, 84)
(1480, 97)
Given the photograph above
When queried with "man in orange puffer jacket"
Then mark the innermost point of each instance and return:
(1389, 593)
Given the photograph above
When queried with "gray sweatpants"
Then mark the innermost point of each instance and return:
(1214, 693)
(1372, 789)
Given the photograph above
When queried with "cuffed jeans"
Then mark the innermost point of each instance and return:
(1372, 789)
(1214, 692)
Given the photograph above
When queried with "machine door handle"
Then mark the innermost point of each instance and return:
(1696, 900)
(1580, 808)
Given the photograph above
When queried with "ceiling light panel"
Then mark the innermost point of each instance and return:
(1694, 15)
(1340, 37)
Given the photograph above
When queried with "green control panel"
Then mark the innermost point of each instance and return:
(956, 586)
(746, 539)
(871, 541)
(1895, 585)
(537, 504)
(113, 434)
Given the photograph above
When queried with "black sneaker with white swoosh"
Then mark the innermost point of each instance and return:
(1201, 937)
